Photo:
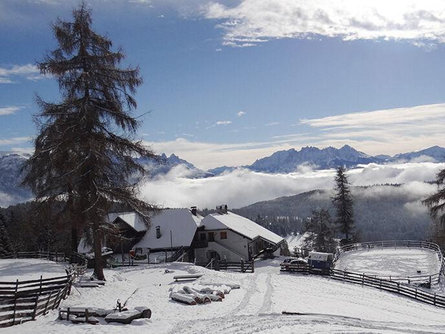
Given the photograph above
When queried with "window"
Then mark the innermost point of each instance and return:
(211, 236)
(223, 235)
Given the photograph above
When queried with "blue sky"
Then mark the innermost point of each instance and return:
(228, 82)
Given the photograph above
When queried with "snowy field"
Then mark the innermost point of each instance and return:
(29, 269)
(390, 262)
(330, 306)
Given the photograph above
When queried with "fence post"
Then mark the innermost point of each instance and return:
(363, 279)
(47, 302)
(15, 300)
(35, 308)
(242, 265)
(434, 298)
(253, 266)
(40, 286)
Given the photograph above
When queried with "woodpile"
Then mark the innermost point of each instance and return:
(199, 294)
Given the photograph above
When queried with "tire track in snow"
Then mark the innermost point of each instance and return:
(252, 287)
(250, 324)
(267, 301)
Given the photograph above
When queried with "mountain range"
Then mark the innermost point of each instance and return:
(288, 161)
(279, 162)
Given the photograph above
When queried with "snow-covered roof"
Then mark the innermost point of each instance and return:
(317, 256)
(239, 224)
(181, 222)
(133, 219)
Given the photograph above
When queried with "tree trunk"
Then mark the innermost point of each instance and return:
(98, 263)
(74, 237)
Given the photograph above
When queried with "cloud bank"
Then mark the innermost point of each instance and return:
(8, 110)
(243, 187)
(28, 71)
(251, 22)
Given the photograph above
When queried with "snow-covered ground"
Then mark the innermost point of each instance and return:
(330, 306)
(29, 269)
(390, 262)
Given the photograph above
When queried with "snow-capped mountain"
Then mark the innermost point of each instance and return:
(434, 153)
(10, 178)
(162, 164)
(330, 157)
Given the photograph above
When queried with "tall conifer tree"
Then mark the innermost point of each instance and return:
(5, 242)
(84, 154)
(436, 205)
(343, 204)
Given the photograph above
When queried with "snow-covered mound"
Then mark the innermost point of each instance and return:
(390, 262)
(329, 306)
(29, 269)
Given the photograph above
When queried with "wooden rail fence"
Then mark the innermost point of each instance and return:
(243, 266)
(391, 286)
(22, 301)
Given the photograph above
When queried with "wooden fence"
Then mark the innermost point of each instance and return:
(22, 301)
(243, 266)
(391, 286)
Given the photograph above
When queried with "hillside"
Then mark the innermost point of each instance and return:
(382, 212)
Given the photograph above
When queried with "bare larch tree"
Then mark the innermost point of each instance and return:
(84, 154)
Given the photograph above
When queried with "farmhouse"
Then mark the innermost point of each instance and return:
(183, 232)
(170, 230)
(228, 236)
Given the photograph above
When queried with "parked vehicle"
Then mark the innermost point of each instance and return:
(294, 264)
(320, 263)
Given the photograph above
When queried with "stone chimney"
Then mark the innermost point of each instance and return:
(194, 210)
(222, 209)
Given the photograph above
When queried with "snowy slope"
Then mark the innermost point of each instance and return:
(255, 308)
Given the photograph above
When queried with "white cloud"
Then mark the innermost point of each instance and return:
(272, 124)
(8, 110)
(28, 71)
(387, 131)
(241, 113)
(432, 112)
(14, 140)
(250, 22)
(223, 122)
(242, 187)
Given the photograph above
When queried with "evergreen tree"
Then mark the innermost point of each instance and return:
(321, 237)
(436, 205)
(84, 154)
(343, 204)
(5, 243)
